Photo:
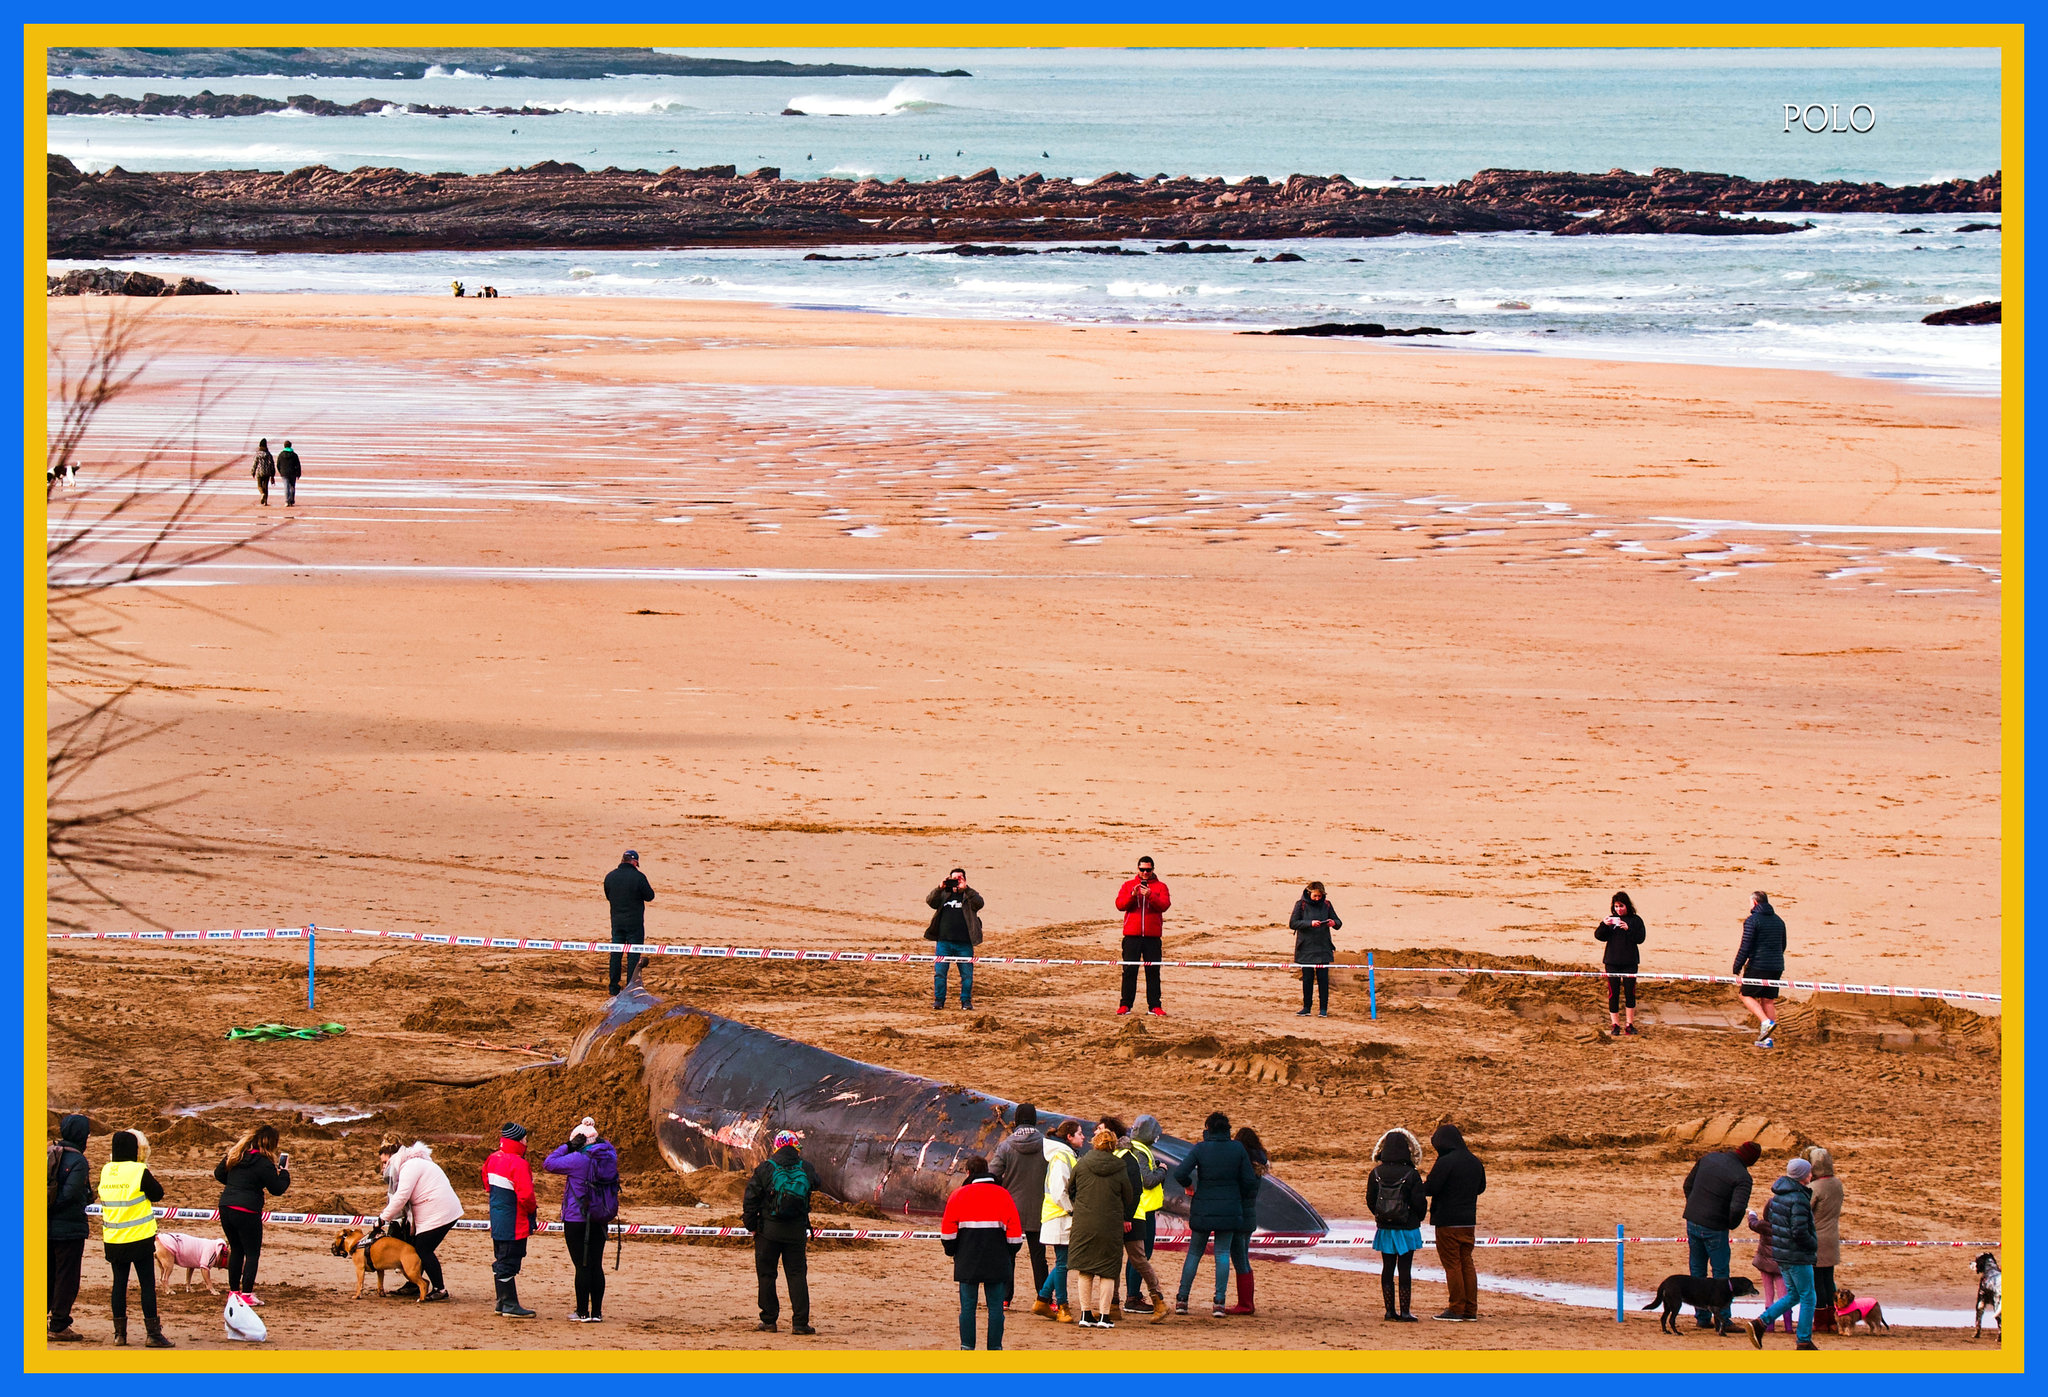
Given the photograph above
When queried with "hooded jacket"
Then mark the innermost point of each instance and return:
(1103, 1201)
(1019, 1166)
(1314, 945)
(1222, 1186)
(1624, 943)
(583, 1165)
(244, 1182)
(1763, 944)
(1056, 1209)
(761, 1187)
(1396, 1173)
(1765, 1260)
(288, 464)
(128, 1156)
(1790, 1213)
(1455, 1181)
(1147, 1172)
(1717, 1191)
(981, 1231)
(70, 1180)
(1827, 1209)
(421, 1187)
(970, 904)
(1142, 904)
(514, 1209)
(626, 888)
(264, 467)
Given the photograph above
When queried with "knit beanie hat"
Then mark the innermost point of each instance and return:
(513, 1130)
(586, 1131)
(788, 1137)
(1145, 1130)
(1749, 1152)
(1798, 1170)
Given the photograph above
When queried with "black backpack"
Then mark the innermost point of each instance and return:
(1391, 1207)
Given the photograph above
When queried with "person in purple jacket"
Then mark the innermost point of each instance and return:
(590, 1200)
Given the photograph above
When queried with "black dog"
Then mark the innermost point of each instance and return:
(1707, 1293)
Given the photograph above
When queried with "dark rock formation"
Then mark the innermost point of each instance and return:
(1280, 257)
(562, 205)
(107, 281)
(203, 103)
(1982, 313)
(1979, 228)
(1370, 330)
(413, 63)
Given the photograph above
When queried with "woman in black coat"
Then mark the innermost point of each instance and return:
(251, 1168)
(1623, 932)
(1313, 921)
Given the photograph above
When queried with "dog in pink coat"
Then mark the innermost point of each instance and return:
(201, 1254)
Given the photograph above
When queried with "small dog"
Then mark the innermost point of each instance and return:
(201, 1254)
(1848, 1309)
(60, 474)
(1990, 1293)
(381, 1254)
(1674, 1293)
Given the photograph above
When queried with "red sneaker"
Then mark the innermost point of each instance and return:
(1159, 1013)
(1122, 1009)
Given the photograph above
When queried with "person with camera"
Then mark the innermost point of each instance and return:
(956, 928)
(1143, 900)
(252, 1167)
(777, 1210)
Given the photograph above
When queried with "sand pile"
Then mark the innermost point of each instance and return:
(1728, 1131)
(450, 1014)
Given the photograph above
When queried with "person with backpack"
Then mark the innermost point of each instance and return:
(1314, 922)
(252, 1167)
(422, 1201)
(1622, 934)
(1222, 1192)
(288, 470)
(1056, 1217)
(515, 1212)
(129, 1194)
(981, 1231)
(1019, 1166)
(1393, 1191)
(69, 1177)
(777, 1210)
(264, 469)
(1455, 1181)
(590, 1200)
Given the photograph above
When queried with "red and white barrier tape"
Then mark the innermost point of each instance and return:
(1264, 1240)
(806, 957)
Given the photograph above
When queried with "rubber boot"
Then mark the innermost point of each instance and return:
(1824, 1320)
(1244, 1295)
(120, 1331)
(155, 1329)
(1387, 1294)
(510, 1306)
(1407, 1285)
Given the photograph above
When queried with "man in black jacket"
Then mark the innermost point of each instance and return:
(776, 1208)
(626, 888)
(1763, 951)
(1716, 1200)
(1454, 1184)
(956, 928)
(70, 1179)
(288, 470)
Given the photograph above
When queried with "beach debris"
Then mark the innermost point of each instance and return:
(277, 1032)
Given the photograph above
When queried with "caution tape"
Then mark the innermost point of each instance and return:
(1170, 1241)
(815, 957)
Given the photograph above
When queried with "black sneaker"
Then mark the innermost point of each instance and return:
(801, 1329)
(766, 1326)
(1301, 1013)
(1756, 1332)
(1631, 1031)
(1809, 1344)
(1452, 1315)
(408, 1291)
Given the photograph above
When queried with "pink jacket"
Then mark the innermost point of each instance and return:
(199, 1253)
(419, 1185)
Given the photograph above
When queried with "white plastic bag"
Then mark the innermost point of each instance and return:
(242, 1322)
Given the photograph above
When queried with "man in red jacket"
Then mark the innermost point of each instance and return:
(1142, 901)
(981, 1232)
(514, 1213)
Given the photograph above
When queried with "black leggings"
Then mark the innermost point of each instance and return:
(1315, 977)
(244, 1232)
(424, 1243)
(1390, 1266)
(141, 1256)
(1618, 987)
(586, 1254)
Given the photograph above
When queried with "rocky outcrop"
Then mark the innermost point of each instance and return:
(1369, 330)
(414, 63)
(1982, 313)
(209, 104)
(563, 205)
(109, 281)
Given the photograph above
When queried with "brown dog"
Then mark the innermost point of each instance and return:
(1848, 1309)
(384, 1254)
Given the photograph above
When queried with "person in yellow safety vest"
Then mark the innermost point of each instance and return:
(1138, 1242)
(1056, 1218)
(128, 1195)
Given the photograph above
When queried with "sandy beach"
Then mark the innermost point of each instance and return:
(810, 607)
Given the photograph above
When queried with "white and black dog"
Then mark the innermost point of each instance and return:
(1990, 1293)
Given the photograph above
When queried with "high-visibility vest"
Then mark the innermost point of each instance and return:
(125, 1214)
(1057, 1154)
(1153, 1198)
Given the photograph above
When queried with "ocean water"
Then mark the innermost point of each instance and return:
(1846, 296)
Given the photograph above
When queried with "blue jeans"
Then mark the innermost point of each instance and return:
(1197, 1241)
(1798, 1290)
(970, 1291)
(1055, 1287)
(953, 948)
(1709, 1248)
(1241, 1253)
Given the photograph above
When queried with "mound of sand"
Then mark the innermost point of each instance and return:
(1728, 1131)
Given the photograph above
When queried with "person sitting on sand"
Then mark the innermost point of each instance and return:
(1622, 932)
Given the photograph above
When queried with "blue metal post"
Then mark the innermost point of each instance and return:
(1372, 993)
(309, 969)
(1618, 1245)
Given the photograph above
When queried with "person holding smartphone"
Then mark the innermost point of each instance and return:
(1143, 900)
(956, 928)
(1314, 921)
(252, 1167)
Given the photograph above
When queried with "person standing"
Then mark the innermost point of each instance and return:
(251, 1168)
(1222, 1192)
(1241, 1242)
(264, 469)
(1019, 1166)
(1795, 1244)
(288, 470)
(956, 927)
(1143, 901)
(70, 1187)
(1827, 1226)
(1056, 1217)
(1766, 1262)
(1716, 1200)
(1456, 1179)
(128, 1195)
(1763, 952)
(627, 890)
(1394, 1194)
(981, 1231)
(1313, 921)
(590, 1200)
(777, 1210)
(1622, 931)
(1139, 1242)
(421, 1194)
(515, 1211)
(1104, 1199)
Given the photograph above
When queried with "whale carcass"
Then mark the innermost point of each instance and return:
(718, 1090)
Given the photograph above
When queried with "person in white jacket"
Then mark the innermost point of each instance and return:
(1056, 1224)
(420, 1192)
